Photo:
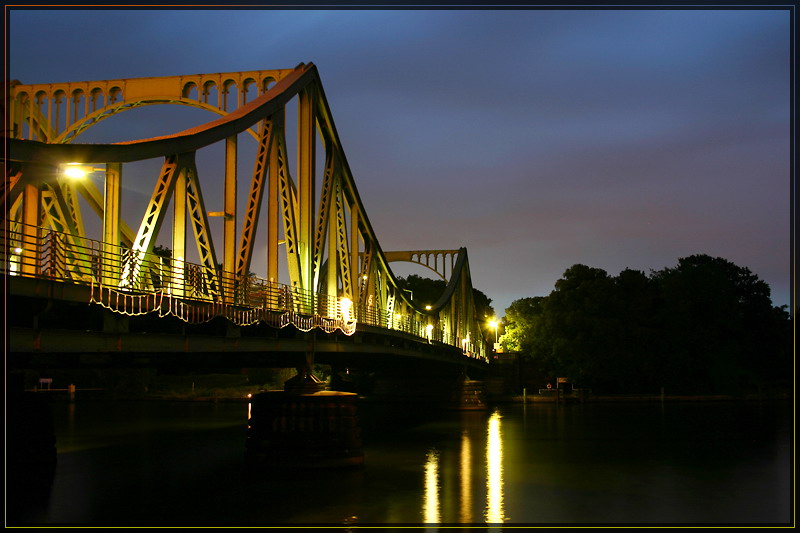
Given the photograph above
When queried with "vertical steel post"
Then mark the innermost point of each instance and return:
(229, 228)
(31, 215)
(111, 264)
(306, 140)
(179, 236)
(273, 203)
(354, 256)
(333, 249)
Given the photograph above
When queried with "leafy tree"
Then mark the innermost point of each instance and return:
(423, 291)
(426, 291)
(576, 333)
(705, 325)
(163, 251)
(720, 327)
(518, 324)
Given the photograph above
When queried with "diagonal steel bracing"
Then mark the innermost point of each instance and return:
(322, 229)
(152, 220)
(330, 244)
(254, 199)
(289, 208)
(198, 219)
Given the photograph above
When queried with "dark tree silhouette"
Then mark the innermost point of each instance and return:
(705, 325)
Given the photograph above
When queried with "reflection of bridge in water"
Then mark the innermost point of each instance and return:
(329, 296)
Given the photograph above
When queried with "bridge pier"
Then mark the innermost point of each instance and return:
(288, 429)
(445, 391)
(304, 425)
(470, 396)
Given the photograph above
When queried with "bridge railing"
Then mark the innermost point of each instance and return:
(194, 292)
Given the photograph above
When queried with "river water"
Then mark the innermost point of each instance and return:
(150, 463)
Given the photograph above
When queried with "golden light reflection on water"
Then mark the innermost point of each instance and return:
(466, 479)
(430, 507)
(495, 509)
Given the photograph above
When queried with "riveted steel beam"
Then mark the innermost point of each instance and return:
(289, 212)
(152, 220)
(323, 223)
(341, 242)
(198, 219)
(306, 141)
(229, 223)
(254, 199)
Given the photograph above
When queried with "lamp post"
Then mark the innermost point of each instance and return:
(493, 324)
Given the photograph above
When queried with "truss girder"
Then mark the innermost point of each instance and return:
(306, 156)
(332, 243)
(254, 198)
(322, 226)
(68, 189)
(94, 198)
(198, 219)
(55, 209)
(153, 218)
(289, 208)
(341, 240)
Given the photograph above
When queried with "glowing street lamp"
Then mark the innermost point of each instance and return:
(494, 324)
(77, 171)
(74, 171)
(345, 305)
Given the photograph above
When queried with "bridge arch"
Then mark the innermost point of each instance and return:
(77, 128)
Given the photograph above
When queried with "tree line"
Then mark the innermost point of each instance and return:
(703, 326)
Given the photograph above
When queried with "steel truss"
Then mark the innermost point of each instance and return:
(335, 264)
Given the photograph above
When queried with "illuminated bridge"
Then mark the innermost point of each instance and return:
(84, 287)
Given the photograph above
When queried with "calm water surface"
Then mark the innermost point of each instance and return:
(131, 463)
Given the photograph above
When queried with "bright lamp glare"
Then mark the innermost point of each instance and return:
(74, 171)
(345, 305)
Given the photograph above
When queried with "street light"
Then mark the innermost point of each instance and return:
(78, 171)
(75, 171)
(345, 305)
(494, 324)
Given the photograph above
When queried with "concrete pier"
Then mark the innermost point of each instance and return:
(317, 430)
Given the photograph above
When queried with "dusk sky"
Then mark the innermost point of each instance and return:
(536, 138)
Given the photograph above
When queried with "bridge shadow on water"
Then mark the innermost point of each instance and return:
(185, 474)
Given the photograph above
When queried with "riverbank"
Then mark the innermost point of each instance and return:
(243, 394)
(646, 398)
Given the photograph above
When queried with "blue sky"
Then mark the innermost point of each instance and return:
(536, 138)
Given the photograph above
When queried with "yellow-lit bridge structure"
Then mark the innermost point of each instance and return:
(336, 278)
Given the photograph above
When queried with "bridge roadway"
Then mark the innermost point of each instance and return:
(52, 325)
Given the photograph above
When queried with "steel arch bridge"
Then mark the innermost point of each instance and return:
(337, 277)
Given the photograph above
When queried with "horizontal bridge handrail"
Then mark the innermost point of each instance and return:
(182, 289)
